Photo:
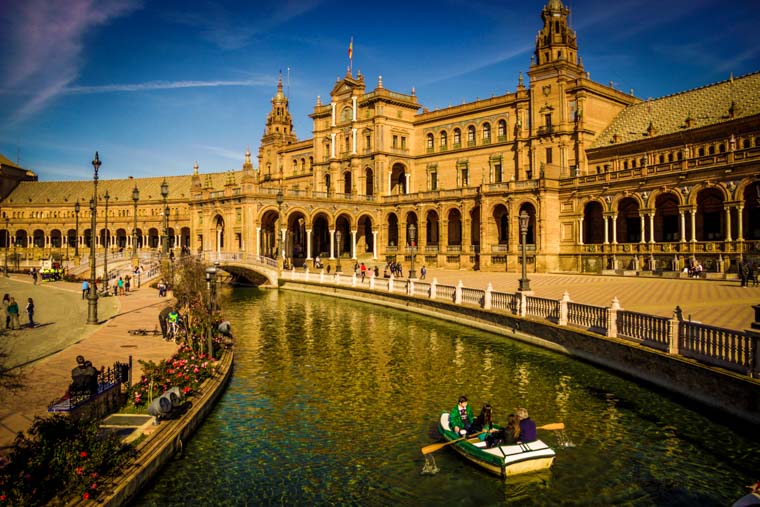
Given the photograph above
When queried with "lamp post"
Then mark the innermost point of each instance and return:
(106, 241)
(412, 237)
(7, 240)
(135, 198)
(92, 296)
(338, 235)
(165, 238)
(76, 243)
(524, 221)
(278, 242)
(211, 290)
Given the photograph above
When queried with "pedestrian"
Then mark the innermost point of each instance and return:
(127, 283)
(363, 269)
(33, 272)
(121, 286)
(30, 311)
(85, 289)
(6, 301)
(13, 312)
(423, 272)
(744, 274)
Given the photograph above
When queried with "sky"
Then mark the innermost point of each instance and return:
(155, 86)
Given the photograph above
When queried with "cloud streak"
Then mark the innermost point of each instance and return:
(163, 85)
(45, 44)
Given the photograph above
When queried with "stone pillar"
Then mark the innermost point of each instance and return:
(353, 245)
(606, 230)
(563, 309)
(258, 241)
(580, 231)
(693, 225)
(643, 229)
(683, 226)
(651, 227)
(332, 244)
(374, 245)
(614, 229)
(308, 244)
(433, 285)
(487, 297)
(612, 312)
(458, 293)
(728, 223)
(740, 225)
(673, 332)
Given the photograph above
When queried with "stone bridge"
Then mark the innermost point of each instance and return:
(252, 268)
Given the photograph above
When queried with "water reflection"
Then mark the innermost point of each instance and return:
(331, 402)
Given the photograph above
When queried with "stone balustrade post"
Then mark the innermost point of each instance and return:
(371, 283)
(487, 297)
(322, 276)
(433, 285)
(523, 310)
(306, 274)
(353, 280)
(612, 313)
(674, 331)
(390, 284)
(754, 335)
(458, 293)
(410, 287)
(563, 309)
(337, 278)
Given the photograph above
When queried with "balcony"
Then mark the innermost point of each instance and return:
(546, 130)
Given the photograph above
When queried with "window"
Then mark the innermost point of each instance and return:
(548, 120)
(444, 140)
(465, 177)
(471, 135)
(497, 174)
(662, 158)
(502, 130)
(430, 142)
(486, 132)
(548, 155)
(367, 142)
(433, 180)
(711, 150)
(701, 152)
(457, 138)
(395, 142)
(403, 142)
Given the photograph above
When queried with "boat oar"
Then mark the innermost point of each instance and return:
(434, 447)
(552, 426)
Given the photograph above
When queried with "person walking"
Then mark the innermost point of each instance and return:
(85, 289)
(13, 312)
(30, 311)
(6, 301)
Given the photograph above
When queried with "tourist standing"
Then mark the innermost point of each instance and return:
(30, 311)
(6, 301)
(13, 312)
(423, 272)
(85, 289)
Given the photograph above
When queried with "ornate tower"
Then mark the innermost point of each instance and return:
(556, 42)
(278, 132)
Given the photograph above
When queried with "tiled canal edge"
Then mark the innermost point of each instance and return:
(162, 444)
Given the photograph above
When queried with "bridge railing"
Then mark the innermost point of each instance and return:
(214, 256)
(725, 348)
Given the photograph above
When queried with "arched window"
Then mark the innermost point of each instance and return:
(502, 130)
(487, 132)
(457, 138)
(430, 142)
(471, 135)
(444, 139)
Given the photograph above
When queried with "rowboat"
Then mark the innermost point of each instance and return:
(505, 460)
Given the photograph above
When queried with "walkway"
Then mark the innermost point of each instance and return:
(48, 351)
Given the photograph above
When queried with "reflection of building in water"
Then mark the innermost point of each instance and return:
(564, 391)
(608, 180)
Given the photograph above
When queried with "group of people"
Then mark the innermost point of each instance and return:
(122, 285)
(84, 378)
(747, 274)
(695, 270)
(520, 427)
(12, 312)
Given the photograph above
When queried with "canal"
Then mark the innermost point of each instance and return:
(331, 401)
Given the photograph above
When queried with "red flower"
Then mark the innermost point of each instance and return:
(79, 470)
(94, 485)
(83, 454)
(94, 474)
(86, 496)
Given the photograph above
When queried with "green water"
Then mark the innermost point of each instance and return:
(331, 401)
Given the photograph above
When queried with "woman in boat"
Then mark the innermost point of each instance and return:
(527, 427)
(461, 418)
(505, 436)
(484, 422)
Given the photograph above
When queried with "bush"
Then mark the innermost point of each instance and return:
(59, 459)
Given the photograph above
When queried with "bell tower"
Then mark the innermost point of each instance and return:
(278, 132)
(556, 43)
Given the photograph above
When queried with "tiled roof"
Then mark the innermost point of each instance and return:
(5, 161)
(705, 106)
(59, 193)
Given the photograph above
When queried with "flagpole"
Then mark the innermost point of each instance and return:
(351, 56)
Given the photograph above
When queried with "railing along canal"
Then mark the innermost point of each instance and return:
(725, 348)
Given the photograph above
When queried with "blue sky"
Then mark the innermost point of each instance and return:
(155, 86)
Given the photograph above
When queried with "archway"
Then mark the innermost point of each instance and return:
(709, 219)
(666, 218)
(398, 179)
(392, 230)
(628, 221)
(369, 181)
(433, 231)
(593, 223)
(455, 228)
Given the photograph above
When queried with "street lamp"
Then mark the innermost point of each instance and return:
(76, 243)
(7, 240)
(278, 234)
(92, 296)
(211, 289)
(524, 221)
(338, 235)
(165, 238)
(412, 237)
(106, 241)
(135, 198)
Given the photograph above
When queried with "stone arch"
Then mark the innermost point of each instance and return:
(499, 224)
(296, 240)
(347, 182)
(392, 229)
(343, 244)
(530, 236)
(751, 212)
(432, 228)
(710, 217)
(56, 238)
(593, 222)
(365, 239)
(454, 221)
(369, 181)
(38, 238)
(628, 221)
(219, 232)
(320, 234)
(411, 218)
(666, 217)
(398, 179)
(121, 238)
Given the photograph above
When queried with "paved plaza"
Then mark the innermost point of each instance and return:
(48, 351)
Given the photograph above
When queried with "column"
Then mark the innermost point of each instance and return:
(580, 230)
(693, 225)
(332, 244)
(683, 226)
(374, 245)
(353, 245)
(389, 183)
(308, 244)
(332, 143)
(284, 234)
(333, 113)
(740, 231)
(643, 229)
(606, 230)
(353, 141)
(728, 223)
(353, 108)
(614, 229)
(651, 227)
(408, 177)
(258, 241)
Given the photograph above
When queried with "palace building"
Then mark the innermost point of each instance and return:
(607, 181)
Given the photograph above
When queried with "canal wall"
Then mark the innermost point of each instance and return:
(730, 392)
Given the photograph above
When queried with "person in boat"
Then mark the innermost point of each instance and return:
(484, 423)
(461, 417)
(505, 436)
(527, 427)
(752, 498)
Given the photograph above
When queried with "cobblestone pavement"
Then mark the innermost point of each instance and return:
(48, 351)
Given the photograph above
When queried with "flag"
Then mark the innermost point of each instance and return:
(351, 49)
